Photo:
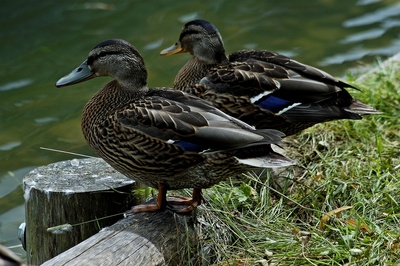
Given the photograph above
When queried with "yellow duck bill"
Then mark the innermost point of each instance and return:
(173, 49)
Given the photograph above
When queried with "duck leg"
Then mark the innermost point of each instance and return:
(161, 202)
(159, 205)
(192, 203)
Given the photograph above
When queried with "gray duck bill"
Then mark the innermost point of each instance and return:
(79, 74)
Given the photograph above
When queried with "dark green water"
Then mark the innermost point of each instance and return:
(43, 40)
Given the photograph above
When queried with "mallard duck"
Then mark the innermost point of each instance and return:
(262, 88)
(164, 138)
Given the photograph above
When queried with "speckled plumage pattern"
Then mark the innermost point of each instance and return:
(262, 88)
(160, 135)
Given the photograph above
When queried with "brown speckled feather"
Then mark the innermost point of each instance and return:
(162, 136)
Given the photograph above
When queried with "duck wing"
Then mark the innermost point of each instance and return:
(303, 70)
(191, 123)
(285, 87)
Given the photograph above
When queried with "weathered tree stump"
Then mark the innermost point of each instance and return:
(80, 193)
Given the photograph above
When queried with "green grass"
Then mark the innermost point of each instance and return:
(284, 219)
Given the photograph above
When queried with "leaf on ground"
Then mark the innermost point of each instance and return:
(336, 212)
(363, 227)
(394, 246)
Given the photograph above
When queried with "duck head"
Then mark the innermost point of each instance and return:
(202, 40)
(116, 58)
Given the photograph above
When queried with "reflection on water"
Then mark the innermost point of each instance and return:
(379, 23)
(380, 16)
(15, 85)
(365, 35)
(42, 42)
(9, 145)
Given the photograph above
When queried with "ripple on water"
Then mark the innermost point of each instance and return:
(364, 35)
(10, 145)
(16, 84)
(376, 16)
(44, 120)
(357, 53)
(153, 45)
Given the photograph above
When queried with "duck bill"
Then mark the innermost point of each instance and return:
(79, 74)
(173, 49)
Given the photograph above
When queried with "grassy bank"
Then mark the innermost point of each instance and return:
(341, 206)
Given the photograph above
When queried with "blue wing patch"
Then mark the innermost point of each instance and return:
(273, 104)
(189, 146)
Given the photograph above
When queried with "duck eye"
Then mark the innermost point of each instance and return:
(103, 53)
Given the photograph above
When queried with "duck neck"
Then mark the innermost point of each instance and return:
(192, 72)
(105, 103)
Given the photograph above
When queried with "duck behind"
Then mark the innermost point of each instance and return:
(162, 137)
(262, 88)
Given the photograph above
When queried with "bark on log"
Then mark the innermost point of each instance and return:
(71, 192)
(161, 238)
(78, 191)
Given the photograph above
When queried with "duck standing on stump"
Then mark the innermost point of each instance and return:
(163, 137)
(261, 88)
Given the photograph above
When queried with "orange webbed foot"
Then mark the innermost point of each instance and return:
(174, 203)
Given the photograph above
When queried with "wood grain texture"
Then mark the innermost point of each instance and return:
(78, 192)
(162, 238)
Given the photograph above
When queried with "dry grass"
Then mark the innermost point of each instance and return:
(341, 206)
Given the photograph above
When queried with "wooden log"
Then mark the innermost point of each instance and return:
(78, 193)
(161, 238)
(64, 193)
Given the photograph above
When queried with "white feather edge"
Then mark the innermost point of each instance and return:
(267, 162)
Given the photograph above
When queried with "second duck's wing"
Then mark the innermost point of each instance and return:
(303, 70)
(282, 86)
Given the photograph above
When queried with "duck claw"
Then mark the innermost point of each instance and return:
(177, 204)
(149, 207)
